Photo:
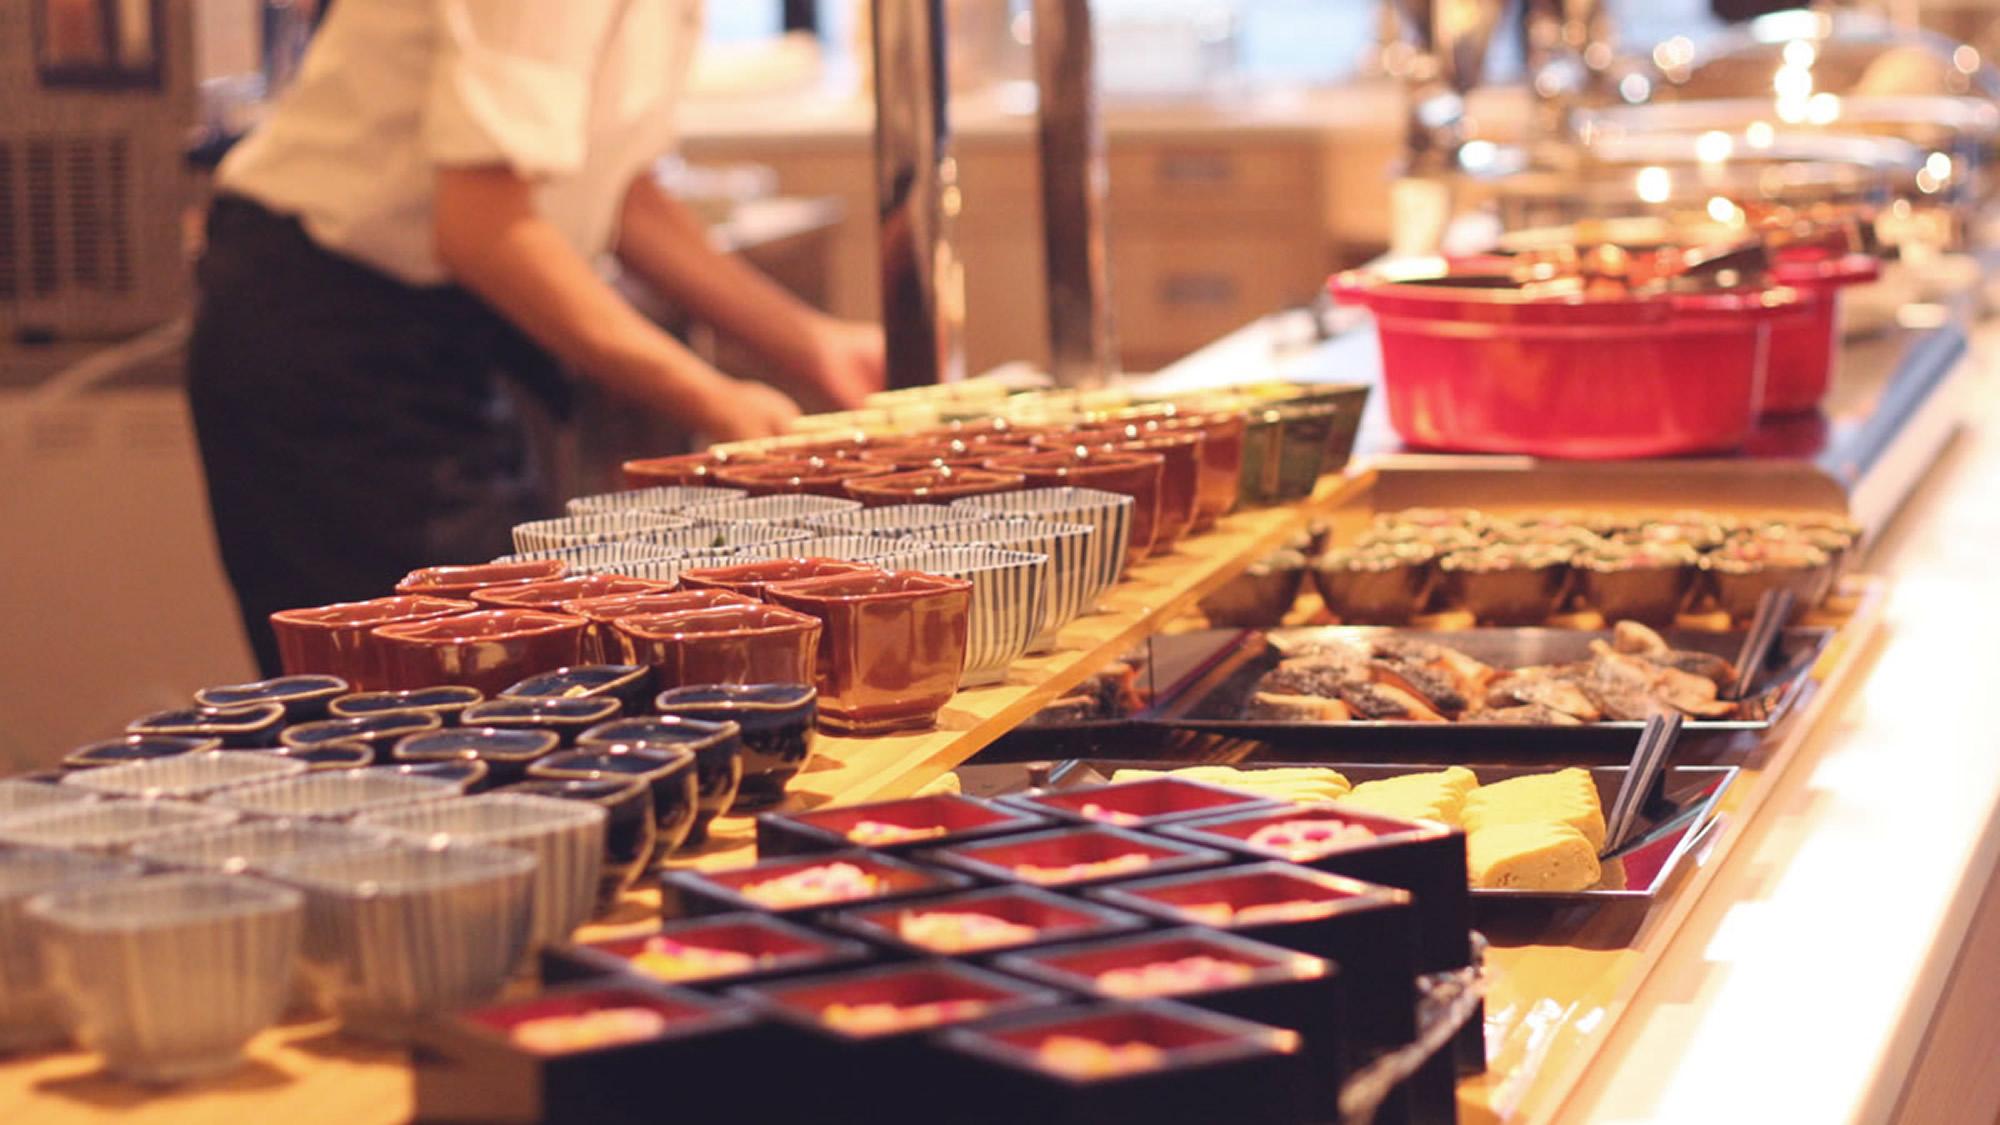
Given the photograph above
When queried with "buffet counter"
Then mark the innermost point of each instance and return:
(1828, 956)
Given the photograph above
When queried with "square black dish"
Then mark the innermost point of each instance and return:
(1422, 857)
(715, 951)
(1072, 858)
(983, 923)
(890, 826)
(513, 1062)
(1136, 804)
(858, 1045)
(802, 887)
(1220, 972)
(1367, 930)
(1125, 1064)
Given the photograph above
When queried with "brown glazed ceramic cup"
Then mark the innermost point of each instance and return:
(821, 476)
(1137, 475)
(604, 645)
(461, 581)
(749, 579)
(489, 650)
(893, 647)
(338, 639)
(908, 456)
(1221, 453)
(938, 485)
(550, 596)
(1180, 473)
(694, 469)
(729, 644)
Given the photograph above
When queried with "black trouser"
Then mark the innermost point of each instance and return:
(352, 428)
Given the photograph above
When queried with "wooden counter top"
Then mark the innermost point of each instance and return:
(308, 1073)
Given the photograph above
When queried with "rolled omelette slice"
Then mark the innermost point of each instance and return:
(1438, 795)
(1531, 857)
(1567, 796)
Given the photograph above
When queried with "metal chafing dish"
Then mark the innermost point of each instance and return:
(1819, 84)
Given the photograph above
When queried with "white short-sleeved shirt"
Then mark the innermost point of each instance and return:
(576, 94)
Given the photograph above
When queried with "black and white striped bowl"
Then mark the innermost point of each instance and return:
(792, 508)
(334, 794)
(1010, 591)
(1069, 546)
(30, 1011)
(597, 527)
(1109, 512)
(399, 932)
(633, 558)
(726, 540)
(565, 837)
(111, 827)
(847, 548)
(662, 498)
(169, 976)
(186, 777)
(893, 520)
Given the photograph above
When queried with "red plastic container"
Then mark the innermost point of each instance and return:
(1489, 370)
(1803, 347)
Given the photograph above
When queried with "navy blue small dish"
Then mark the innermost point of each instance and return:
(629, 829)
(328, 755)
(236, 727)
(777, 730)
(507, 754)
(632, 685)
(717, 750)
(134, 748)
(304, 697)
(469, 774)
(669, 772)
(377, 732)
(568, 718)
(446, 701)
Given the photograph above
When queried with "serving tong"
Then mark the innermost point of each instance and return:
(1649, 758)
(1774, 608)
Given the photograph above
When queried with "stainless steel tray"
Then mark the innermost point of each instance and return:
(1209, 699)
(1671, 824)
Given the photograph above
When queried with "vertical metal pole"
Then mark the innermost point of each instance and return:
(1082, 342)
(916, 189)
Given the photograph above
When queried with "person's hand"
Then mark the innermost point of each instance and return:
(746, 409)
(850, 360)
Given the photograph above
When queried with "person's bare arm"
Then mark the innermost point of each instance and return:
(668, 246)
(490, 238)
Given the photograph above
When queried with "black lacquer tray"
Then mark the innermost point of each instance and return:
(1672, 821)
(1210, 700)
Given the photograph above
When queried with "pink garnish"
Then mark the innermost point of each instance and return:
(1164, 978)
(1309, 839)
(871, 1019)
(1079, 1057)
(952, 931)
(1076, 872)
(827, 882)
(876, 832)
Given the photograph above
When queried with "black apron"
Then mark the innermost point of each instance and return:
(352, 428)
